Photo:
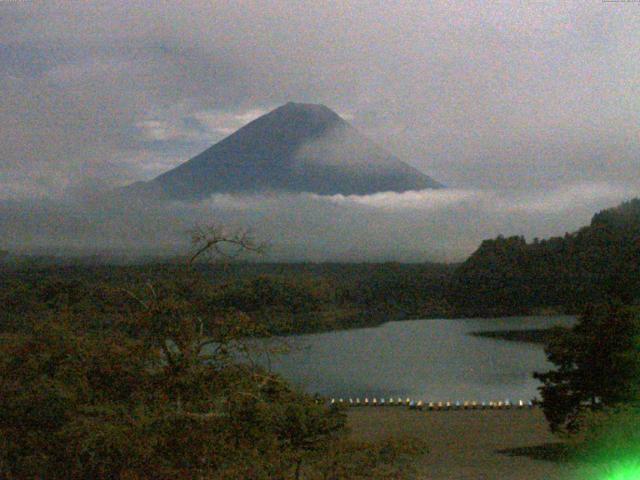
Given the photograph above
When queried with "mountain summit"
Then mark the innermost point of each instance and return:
(297, 147)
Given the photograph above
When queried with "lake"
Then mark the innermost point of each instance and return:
(432, 360)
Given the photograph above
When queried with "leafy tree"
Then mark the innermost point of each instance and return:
(136, 373)
(158, 392)
(598, 365)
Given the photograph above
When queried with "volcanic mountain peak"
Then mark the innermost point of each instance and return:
(298, 147)
(319, 112)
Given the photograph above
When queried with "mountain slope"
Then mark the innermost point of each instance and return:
(295, 148)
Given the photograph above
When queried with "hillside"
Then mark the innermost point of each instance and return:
(596, 263)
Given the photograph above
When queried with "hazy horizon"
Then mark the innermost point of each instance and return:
(526, 112)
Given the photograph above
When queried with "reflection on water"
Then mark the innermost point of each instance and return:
(422, 359)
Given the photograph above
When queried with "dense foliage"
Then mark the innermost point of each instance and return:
(597, 366)
(138, 371)
(147, 374)
(511, 276)
(152, 390)
(285, 298)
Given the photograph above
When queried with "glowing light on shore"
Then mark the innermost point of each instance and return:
(624, 471)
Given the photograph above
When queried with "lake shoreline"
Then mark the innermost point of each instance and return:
(422, 359)
(540, 336)
(375, 319)
(534, 335)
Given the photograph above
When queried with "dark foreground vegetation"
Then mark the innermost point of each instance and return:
(284, 298)
(143, 372)
(116, 378)
(593, 393)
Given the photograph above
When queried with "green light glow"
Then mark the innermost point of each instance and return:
(624, 471)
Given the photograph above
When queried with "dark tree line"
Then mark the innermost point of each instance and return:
(504, 276)
(598, 263)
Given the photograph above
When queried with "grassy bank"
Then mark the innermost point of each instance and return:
(472, 445)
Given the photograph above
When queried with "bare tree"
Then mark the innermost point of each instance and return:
(214, 240)
(179, 330)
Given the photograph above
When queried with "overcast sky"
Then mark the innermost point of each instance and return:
(527, 107)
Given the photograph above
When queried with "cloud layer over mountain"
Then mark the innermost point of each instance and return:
(528, 110)
(411, 226)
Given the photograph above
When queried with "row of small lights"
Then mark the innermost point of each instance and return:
(466, 405)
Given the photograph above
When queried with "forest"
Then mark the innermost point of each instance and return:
(503, 277)
(133, 371)
(509, 276)
(289, 298)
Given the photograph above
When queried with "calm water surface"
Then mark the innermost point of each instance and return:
(422, 359)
